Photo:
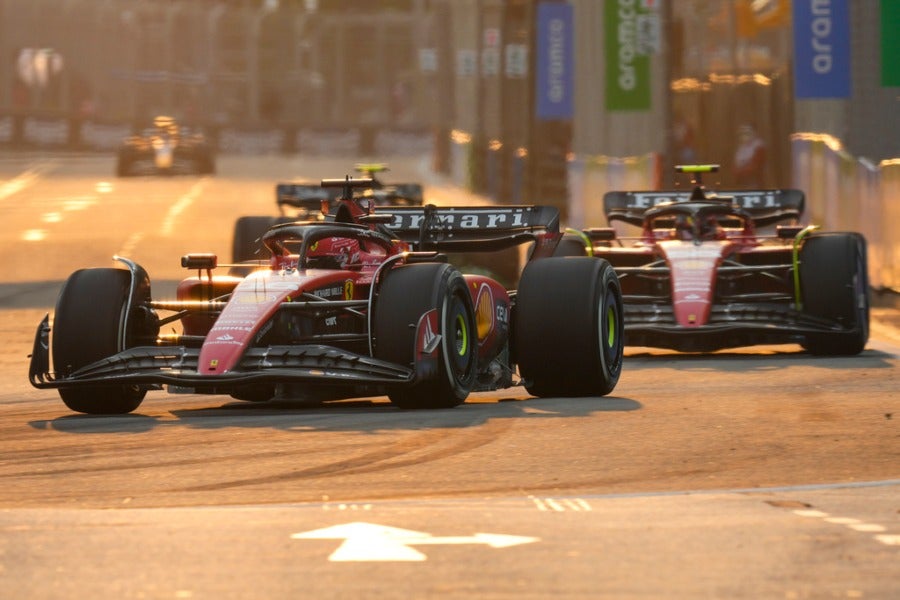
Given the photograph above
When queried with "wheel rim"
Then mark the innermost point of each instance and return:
(459, 347)
(462, 336)
(459, 342)
(610, 331)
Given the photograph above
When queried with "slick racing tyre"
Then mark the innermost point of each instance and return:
(406, 294)
(247, 244)
(123, 164)
(570, 245)
(204, 163)
(86, 328)
(567, 329)
(834, 285)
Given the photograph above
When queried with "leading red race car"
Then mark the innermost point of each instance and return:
(701, 275)
(364, 304)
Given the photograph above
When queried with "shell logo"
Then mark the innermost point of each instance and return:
(484, 312)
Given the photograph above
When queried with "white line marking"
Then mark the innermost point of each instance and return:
(78, 203)
(179, 207)
(889, 540)
(582, 505)
(554, 504)
(574, 504)
(349, 507)
(27, 178)
(868, 528)
(34, 235)
(854, 524)
(130, 244)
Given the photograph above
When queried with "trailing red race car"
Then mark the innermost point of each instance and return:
(362, 305)
(700, 275)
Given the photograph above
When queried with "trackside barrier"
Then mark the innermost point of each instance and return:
(844, 193)
(253, 142)
(590, 177)
(403, 143)
(6, 130)
(890, 202)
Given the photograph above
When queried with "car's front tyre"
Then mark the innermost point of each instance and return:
(88, 326)
(834, 285)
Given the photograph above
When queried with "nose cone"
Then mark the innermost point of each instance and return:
(693, 268)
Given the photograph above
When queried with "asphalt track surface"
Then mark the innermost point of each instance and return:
(761, 472)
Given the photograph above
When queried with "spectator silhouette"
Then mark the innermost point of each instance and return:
(749, 158)
(683, 136)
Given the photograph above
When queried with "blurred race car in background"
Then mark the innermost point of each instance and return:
(167, 148)
(362, 305)
(701, 276)
(298, 201)
(389, 194)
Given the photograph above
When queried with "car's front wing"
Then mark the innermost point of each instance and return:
(313, 364)
(729, 326)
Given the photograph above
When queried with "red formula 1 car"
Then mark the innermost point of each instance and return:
(361, 305)
(700, 275)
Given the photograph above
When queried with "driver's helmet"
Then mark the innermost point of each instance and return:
(710, 229)
(333, 253)
(165, 125)
(684, 226)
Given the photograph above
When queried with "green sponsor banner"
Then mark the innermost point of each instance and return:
(629, 29)
(890, 43)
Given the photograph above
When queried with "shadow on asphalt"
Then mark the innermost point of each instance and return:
(748, 361)
(364, 415)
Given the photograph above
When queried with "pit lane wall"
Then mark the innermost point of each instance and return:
(845, 193)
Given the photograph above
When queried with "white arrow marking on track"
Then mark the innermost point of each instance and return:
(371, 542)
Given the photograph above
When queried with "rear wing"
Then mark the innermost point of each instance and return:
(404, 194)
(304, 196)
(764, 206)
(470, 228)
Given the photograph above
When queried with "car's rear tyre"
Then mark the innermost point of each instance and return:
(570, 245)
(205, 164)
(567, 327)
(408, 292)
(86, 328)
(123, 165)
(246, 243)
(834, 285)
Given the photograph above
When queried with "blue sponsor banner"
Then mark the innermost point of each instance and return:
(821, 49)
(555, 64)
